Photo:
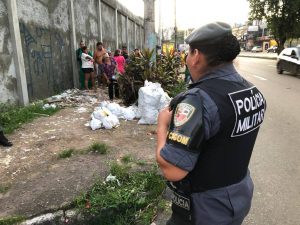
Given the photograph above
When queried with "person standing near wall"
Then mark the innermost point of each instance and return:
(78, 57)
(120, 60)
(87, 68)
(98, 57)
(124, 52)
(109, 71)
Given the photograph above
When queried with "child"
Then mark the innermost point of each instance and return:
(109, 68)
(87, 67)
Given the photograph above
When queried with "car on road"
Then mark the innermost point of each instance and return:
(272, 49)
(257, 49)
(289, 60)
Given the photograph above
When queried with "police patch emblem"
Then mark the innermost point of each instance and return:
(183, 113)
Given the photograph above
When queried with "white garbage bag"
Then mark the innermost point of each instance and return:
(101, 113)
(137, 111)
(110, 122)
(152, 99)
(115, 108)
(95, 124)
(104, 103)
(128, 113)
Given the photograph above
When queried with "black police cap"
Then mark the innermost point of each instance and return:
(209, 34)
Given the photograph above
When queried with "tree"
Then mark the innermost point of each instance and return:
(282, 16)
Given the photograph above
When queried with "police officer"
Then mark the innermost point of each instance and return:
(207, 134)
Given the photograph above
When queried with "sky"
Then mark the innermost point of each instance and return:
(194, 13)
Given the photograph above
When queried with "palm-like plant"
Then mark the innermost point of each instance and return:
(139, 69)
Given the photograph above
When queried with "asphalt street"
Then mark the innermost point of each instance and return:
(275, 162)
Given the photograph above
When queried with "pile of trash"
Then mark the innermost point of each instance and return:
(72, 97)
(152, 99)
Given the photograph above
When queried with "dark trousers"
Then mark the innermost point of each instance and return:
(113, 89)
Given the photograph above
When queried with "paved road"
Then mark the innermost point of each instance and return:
(275, 164)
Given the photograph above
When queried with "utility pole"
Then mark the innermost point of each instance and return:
(175, 28)
(160, 23)
(149, 26)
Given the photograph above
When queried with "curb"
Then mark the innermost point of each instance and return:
(258, 57)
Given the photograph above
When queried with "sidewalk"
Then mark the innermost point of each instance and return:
(262, 55)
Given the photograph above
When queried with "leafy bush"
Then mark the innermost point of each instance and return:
(139, 69)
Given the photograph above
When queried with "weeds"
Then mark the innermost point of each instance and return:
(11, 220)
(133, 198)
(12, 116)
(98, 148)
(4, 188)
(67, 153)
(127, 159)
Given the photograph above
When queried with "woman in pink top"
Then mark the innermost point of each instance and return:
(120, 60)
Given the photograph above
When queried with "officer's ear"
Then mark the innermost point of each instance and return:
(198, 57)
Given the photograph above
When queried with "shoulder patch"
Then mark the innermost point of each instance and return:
(249, 106)
(183, 113)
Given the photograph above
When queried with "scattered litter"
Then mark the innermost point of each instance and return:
(112, 178)
(81, 110)
(73, 97)
(48, 106)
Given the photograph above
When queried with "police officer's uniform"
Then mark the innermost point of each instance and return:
(212, 133)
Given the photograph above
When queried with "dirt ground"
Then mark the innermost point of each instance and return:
(39, 182)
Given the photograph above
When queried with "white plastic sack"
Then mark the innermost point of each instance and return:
(152, 99)
(128, 113)
(101, 113)
(137, 111)
(149, 116)
(95, 124)
(110, 122)
(104, 104)
(115, 108)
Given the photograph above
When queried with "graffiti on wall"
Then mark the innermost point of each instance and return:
(46, 63)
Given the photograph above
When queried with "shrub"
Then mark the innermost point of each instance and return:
(139, 69)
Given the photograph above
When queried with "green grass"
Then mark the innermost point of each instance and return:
(12, 116)
(4, 188)
(98, 148)
(127, 159)
(67, 153)
(133, 199)
(11, 220)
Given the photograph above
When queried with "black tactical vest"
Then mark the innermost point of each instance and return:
(224, 158)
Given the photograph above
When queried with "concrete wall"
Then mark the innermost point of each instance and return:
(86, 22)
(44, 28)
(8, 90)
(50, 33)
(108, 26)
(122, 41)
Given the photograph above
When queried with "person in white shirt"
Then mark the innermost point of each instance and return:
(87, 68)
